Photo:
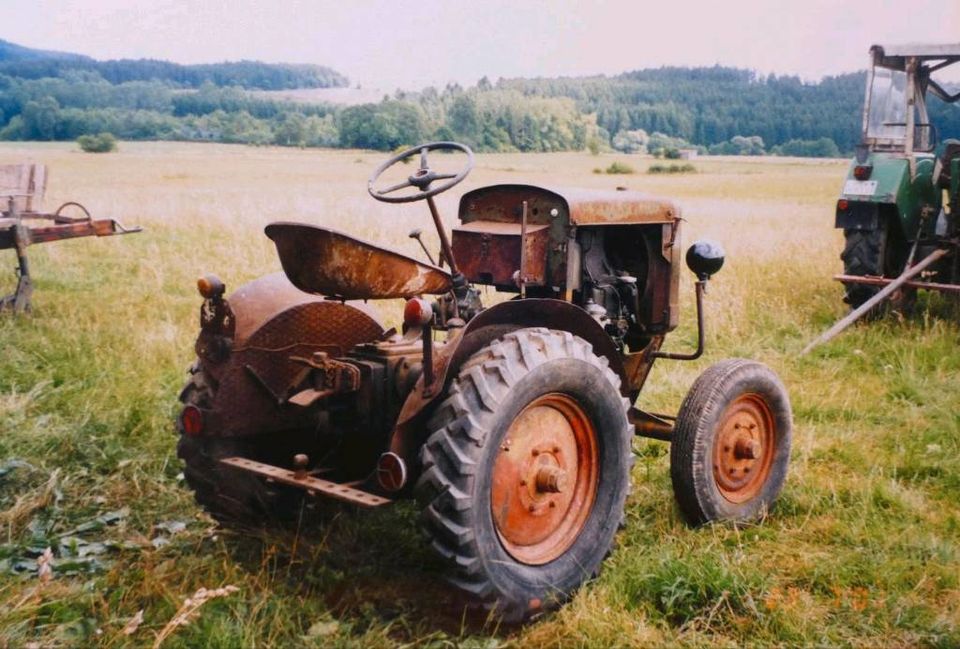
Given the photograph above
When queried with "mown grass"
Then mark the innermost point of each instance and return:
(861, 551)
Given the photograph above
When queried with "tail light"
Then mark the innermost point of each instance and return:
(417, 312)
(210, 287)
(842, 205)
(191, 420)
(862, 172)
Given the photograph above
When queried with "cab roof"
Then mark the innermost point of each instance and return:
(895, 56)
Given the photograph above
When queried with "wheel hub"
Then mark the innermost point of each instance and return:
(544, 479)
(742, 450)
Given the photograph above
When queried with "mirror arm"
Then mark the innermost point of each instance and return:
(701, 287)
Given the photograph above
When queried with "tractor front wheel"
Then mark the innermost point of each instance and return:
(526, 471)
(731, 443)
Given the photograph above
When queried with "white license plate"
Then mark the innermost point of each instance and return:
(860, 187)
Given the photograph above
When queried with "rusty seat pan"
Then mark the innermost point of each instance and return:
(326, 262)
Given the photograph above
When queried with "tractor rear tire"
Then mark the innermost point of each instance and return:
(880, 254)
(229, 495)
(731, 443)
(526, 472)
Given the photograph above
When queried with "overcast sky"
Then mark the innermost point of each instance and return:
(389, 44)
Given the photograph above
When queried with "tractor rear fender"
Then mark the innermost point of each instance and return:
(489, 325)
(889, 191)
(275, 321)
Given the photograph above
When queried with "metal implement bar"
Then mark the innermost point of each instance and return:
(882, 295)
(883, 281)
(44, 234)
(308, 483)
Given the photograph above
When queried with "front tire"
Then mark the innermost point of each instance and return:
(527, 470)
(731, 443)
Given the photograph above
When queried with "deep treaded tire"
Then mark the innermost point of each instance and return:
(531, 405)
(879, 253)
(229, 496)
(863, 254)
(731, 443)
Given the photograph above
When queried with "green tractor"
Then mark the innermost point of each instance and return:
(899, 203)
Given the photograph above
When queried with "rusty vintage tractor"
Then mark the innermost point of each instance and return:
(512, 424)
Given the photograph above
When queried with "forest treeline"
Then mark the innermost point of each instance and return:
(715, 110)
(26, 63)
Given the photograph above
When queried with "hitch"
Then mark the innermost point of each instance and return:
(303, 480)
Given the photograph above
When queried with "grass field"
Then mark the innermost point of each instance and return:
(863, 549)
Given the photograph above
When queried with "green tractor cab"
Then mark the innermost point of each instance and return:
(899, 201)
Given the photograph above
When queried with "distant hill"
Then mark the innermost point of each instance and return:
(25, 63)
(13, 52)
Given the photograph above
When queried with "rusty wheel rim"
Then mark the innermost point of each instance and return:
(544, 479)
(744, 448)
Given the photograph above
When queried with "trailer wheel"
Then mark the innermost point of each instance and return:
(229, 495)
(526, 471)
(731, 445)
(876, 252)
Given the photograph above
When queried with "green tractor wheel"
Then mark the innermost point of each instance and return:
(880, 253)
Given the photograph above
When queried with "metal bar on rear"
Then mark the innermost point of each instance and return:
(308, 483)
(883, 281)
(882, 295)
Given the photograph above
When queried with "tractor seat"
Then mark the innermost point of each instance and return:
(949, 150)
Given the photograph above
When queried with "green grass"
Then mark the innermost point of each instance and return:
(861, 551)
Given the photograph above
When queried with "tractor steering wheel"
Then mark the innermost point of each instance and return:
(422, 177)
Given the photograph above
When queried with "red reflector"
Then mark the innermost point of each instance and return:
(391, 472)
(417, 312)
(842, 204)
(862, 172)
(191, 420)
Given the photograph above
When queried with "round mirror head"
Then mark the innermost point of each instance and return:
(705, 258)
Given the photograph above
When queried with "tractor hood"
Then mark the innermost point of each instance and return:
(327, 262)
(572, 205)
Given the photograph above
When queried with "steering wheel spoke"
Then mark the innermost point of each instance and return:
(424, 177)
(397, 187)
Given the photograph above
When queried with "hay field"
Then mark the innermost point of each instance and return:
(862, 550)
